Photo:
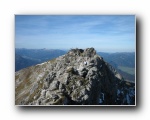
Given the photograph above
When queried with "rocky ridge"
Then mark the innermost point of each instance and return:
(80, 77)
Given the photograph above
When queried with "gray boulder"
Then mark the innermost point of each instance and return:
(54, 85)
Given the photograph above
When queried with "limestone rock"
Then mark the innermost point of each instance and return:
(81, 77)
(54, 85)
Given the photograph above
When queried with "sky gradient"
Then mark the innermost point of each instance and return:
(106, 33)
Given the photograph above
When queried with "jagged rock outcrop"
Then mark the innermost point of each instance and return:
(80, 77)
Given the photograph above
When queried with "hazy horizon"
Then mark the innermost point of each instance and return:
(106, 33)
(73, 48)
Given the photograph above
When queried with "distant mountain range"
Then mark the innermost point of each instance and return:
(123, 62)
(21, 62)
(121, 58)
(28, 57)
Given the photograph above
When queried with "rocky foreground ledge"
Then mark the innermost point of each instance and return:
(80, 77)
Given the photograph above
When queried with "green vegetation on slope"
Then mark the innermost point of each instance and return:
(128, 70)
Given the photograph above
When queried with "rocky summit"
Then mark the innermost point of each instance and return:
(80, 77)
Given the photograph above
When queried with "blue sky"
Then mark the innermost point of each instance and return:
(106, 33)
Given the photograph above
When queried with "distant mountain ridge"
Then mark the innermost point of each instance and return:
(40, 54)
(123, 62)
(35, 56)
(21, 62)
(120, 58)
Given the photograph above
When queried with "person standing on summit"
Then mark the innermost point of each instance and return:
(85, 63)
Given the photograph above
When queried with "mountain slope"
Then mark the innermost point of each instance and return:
(21, 62)
(28, 57)
(39, 54)
(123, 62)
(121, 59)
(80, 77)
